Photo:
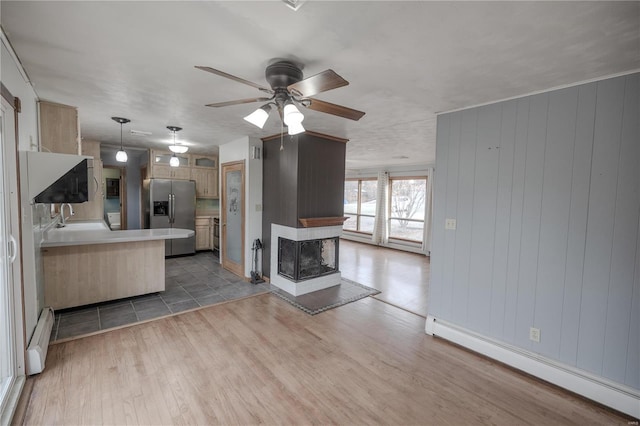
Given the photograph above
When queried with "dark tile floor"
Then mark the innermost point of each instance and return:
(190, 282)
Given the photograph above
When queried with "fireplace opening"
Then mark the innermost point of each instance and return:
(303, 260)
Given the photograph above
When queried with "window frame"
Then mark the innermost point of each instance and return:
(359, 214)
(390, 205)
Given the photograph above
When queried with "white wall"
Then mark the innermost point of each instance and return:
(238, 150)
(546, 193)
(32, 216)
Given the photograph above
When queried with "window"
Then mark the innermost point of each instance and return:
(406, 208)
(360, 205)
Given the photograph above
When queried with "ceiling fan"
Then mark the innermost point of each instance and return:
(288, 90)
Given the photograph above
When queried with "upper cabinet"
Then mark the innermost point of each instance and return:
(92, 209)
(159, 167)
(203, 169)
(59, 128)
(204, 161)
(204, 172)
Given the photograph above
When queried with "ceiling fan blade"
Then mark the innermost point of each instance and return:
(339, 110)
(238, 102)
(234, 78)
(318, 83)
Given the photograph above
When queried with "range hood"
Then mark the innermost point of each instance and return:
(58, 178)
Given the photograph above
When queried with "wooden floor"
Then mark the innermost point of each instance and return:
(402, 277)
(261, 360)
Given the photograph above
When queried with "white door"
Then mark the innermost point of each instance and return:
(12, 367)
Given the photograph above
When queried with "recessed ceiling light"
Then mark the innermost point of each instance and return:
(400, 157)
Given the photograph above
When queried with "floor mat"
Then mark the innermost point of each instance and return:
(322, 300)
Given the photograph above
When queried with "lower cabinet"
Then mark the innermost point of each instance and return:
(203, 230)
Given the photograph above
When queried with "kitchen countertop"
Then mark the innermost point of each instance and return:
(79, 233)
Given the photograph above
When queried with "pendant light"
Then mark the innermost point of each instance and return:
(178, 149)
(121, 156)
(175, 161)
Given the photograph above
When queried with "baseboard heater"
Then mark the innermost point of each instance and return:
(599, 389)
(37, 350)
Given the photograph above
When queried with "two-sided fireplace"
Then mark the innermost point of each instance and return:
(303, 260)
(306, 259)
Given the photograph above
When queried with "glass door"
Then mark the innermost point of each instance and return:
(233, 217)
(11, 342)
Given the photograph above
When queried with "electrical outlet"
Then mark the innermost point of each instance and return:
(450, 224)
(534, 334)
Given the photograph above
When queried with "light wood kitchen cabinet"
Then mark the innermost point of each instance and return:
(204, 227)
(59, 128)
(92, 209)
(159, 167)
(204, 171)
(206, 182)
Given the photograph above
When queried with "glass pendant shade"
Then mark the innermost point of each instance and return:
(259, 116)
(292, 115)
(121, 156)
(178, 149)
(295, 128)
(174, 161)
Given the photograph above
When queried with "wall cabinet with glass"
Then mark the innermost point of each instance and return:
(160, 168)
(204, 172)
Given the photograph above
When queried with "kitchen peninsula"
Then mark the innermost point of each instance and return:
(86, 263)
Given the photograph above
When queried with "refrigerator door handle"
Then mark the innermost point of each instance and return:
(170, 212)
(173, 208)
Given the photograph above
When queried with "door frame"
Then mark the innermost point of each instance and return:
(15, 308)
(123, 194)
(236, 268)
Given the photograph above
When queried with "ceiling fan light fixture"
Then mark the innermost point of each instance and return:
(291, 114)
(259, 117)
(174, 161)
(295, 128)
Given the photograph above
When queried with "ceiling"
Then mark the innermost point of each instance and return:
(405, 62)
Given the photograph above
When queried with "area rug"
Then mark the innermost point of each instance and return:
(322, 300)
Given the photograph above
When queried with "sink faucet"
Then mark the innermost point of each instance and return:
(63, 220)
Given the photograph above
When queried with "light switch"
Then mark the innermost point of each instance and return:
(258, 207)
(450, 224)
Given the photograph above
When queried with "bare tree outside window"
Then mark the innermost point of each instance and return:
(406, 216)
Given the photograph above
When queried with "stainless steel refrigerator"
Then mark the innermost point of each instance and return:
(171, 204)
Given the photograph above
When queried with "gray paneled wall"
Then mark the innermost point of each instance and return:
(546, 193)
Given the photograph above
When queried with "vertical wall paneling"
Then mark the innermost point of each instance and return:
(579, 200)
(483, 225)
(530, 235)
(515, 218)
(602, 200)
(451, 207)
(632, 373)
(625, 222)
(503, 211)
(464, 215)
(552, 250)
(548, 224)
(442, 154)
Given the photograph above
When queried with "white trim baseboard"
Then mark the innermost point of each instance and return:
(606, 392)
